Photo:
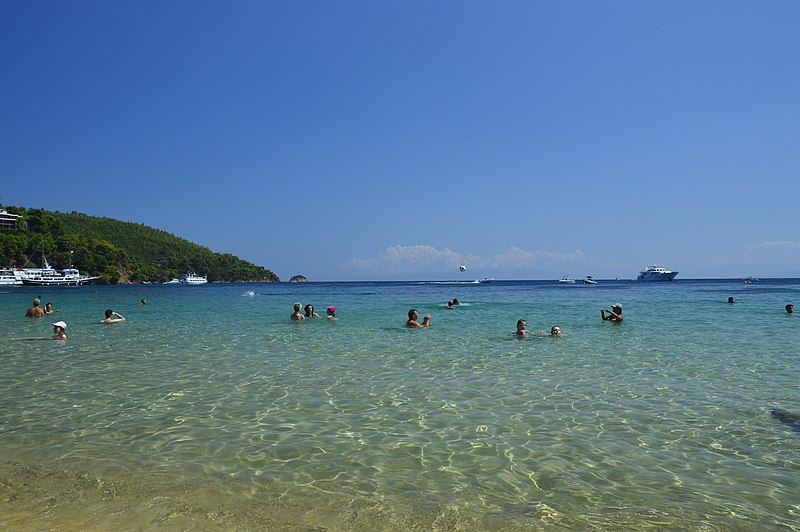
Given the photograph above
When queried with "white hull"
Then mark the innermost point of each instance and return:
(59, 281)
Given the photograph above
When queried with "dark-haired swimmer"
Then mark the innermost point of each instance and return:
(113, 317)
(521, 325)
(413, 316)
(555, 332)
(309, 310)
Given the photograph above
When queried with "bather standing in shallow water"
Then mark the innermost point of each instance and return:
(413, 316)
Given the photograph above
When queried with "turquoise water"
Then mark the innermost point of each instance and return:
(210, 409)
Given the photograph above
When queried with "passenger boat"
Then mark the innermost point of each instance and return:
(49, 276)
(656, 273)
(566, 280)
(66, 277)
(487, 280)
(191, 278)
(750, 280)
(589, 280)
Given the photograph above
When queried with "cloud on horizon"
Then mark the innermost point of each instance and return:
(421, 256)
(777, 244)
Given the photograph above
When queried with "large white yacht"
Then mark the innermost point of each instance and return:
(656, 273)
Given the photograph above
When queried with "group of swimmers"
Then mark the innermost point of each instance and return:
(37, 312)
(60, 327)
(308, 312)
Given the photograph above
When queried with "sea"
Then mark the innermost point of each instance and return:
(209, 409)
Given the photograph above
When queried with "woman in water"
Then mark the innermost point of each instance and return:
(309, 310)
(331, 313)
(60, 331)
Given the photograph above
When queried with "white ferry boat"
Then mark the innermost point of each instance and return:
(656, 273)
(66, 277)
(589, 280)
(191, 278)
(49, 276)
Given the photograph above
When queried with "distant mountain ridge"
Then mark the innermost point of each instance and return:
(120, 252)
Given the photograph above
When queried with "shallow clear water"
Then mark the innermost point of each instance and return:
(209, 408)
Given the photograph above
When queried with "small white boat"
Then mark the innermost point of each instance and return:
(656, 273)
(589, 280)
(191, 278)
(566, 280)
(174, 281)
(487, 280)
(750, 280)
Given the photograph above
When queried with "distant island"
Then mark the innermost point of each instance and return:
(298, 279)
(119, 252)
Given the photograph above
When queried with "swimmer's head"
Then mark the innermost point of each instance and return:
(789, 308)
(521, 324)
(413, 314)
(297, 307)
(555, 331)
(109, 313)
(331, 310)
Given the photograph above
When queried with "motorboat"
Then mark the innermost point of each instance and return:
(566, 280)
(173, 281)
(656, 273)
(750, 280)
(191, 278)
(589, 280)
(487, 280)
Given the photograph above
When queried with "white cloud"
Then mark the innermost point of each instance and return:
(778, 244)
(516, 257)
(413, 258)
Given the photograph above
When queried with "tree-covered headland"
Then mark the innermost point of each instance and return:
(119, 252)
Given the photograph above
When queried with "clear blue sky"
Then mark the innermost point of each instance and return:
(396, 140)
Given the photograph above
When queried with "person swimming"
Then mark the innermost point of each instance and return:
(331, 313)
(413, 316)
(296, 316)
(521, 328)
(113, 317)
(615, 314)
(309, 311)
(60, 331)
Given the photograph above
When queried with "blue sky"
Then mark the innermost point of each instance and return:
(397, 140)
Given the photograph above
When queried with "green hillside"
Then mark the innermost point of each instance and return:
(119, 252)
